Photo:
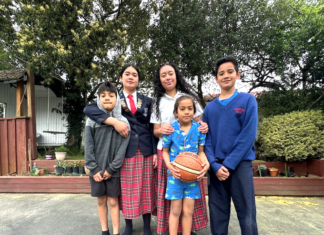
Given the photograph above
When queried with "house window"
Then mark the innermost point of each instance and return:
(2, 110)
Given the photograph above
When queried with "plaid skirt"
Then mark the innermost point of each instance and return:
(199, 217)
(137, 195)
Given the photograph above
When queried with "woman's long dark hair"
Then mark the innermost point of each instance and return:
(159, 90)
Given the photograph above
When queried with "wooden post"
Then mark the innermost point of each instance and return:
(20, 99)
(31, 113)
(29, 155)
(22, 148)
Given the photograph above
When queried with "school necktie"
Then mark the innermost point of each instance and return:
(132, 104)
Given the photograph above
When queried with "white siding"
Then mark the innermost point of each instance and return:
(55, 121)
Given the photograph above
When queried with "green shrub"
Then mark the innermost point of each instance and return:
(61, 149)
(294, 136)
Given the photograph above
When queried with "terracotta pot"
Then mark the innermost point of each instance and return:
(273, 172)
(60, 155)
(41, 172)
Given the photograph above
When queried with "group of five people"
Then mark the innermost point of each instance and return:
(132, 140)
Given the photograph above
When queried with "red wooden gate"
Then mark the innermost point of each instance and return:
(13, 145)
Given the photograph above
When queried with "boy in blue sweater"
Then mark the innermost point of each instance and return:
(232, 120)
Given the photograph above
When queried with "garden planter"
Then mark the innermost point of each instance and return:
(255, 172)
(273, 172)
(264, 186)
(287, 174)
(59, 170)
(60, 156)
(81, 170)
(76, 170)
(68, 170)
(315, 167)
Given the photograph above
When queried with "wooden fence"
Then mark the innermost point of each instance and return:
(14, 137)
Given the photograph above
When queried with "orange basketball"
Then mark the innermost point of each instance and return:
(189, 165)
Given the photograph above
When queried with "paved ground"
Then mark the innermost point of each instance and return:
(76, 214)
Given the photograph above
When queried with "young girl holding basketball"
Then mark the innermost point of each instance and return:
(185, 138)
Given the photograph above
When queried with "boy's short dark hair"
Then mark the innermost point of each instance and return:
(107, 86)
(223, 60)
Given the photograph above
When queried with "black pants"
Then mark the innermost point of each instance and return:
(239, 186)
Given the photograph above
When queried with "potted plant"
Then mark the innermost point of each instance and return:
(59, 167)
(262, 170)
(68, 169)
(273, 171)
(44, 169)
(60, 152)
(289, 172)
(81, 168)
(75, 167)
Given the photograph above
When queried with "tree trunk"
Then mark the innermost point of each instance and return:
(73, 107)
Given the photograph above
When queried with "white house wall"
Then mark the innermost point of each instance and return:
(8, 96)
(55, 121)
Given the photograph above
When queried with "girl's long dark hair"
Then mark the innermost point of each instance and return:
(130, 65)
(159, 91)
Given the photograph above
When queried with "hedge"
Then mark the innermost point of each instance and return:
(295, 136)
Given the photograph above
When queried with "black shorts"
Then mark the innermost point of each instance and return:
(110, 187)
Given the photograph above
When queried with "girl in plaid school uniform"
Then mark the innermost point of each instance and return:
(137, 172)
(169, 85)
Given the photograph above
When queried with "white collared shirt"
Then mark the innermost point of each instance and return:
(134, 98)
(166, 107)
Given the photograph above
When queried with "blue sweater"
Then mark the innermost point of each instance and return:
(232, 130)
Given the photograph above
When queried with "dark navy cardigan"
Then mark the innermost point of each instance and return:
(141, 134)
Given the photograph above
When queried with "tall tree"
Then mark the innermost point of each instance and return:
(7, 32)
(288, 49)
(83, 40)
(182, 33)
(195, 33)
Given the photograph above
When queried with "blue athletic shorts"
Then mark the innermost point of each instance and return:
(176, 189)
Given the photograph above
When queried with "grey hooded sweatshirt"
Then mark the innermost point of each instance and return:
(105, 148)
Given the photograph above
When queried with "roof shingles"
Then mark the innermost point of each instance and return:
(12, 75)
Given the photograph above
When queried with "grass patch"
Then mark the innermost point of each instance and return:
(72, 154)
(75, 157)
(259, 161)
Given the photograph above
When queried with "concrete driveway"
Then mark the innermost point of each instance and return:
(35, 214)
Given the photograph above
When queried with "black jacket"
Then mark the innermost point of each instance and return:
(141, 134)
